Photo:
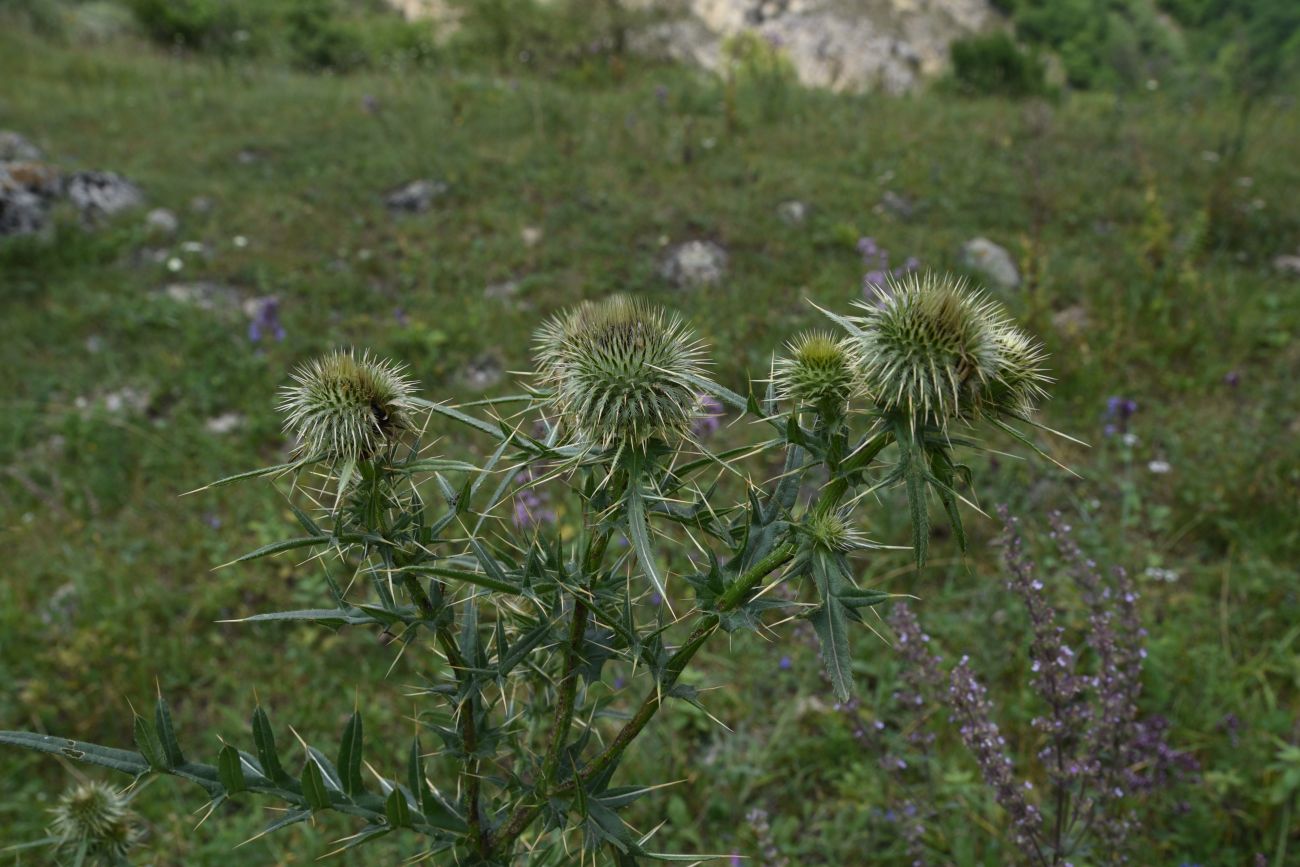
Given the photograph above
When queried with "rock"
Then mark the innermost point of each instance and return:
(900, 206)
(793, 212)
(415, 197)
(14, 146)
(531, 236)
(225, 423)
(205, 295)
(1072, 321)
(502, 291)
(1288, 265)
(483, 372)
(22, 212)
(161, 223)
(981, 254)
(97, 195)
(890, 45)
(694, 263)
(42, 179)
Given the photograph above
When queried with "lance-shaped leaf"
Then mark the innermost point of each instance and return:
(831, 624)
(313, 786)
(267, 754)
(151, 745)
(350, 756)
(167, 734)
(639, 532)
(397, 810)
(230, 770)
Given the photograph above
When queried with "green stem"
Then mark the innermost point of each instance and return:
(469, 734)
(568, 691)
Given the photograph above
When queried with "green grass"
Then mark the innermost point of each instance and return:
(1096, 197)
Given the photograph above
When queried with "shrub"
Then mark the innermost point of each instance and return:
(995, 65)
(219, 26)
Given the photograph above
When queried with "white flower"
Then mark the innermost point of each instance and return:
(240, 241)
(1129, 439)
(1159, 467)
(174, 264)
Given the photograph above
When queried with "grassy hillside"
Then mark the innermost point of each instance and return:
(1146, 247)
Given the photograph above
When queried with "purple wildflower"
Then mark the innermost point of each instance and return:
(785, 663)
(531, 505)
(1118, 412)
(876, 260)
(709, 419)
(266, 321)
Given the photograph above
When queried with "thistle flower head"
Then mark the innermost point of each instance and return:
(832, 531)
(618, 372)
(1020, 384)
(344, 407)
(94, 818)
(820, 371)
(940, 352)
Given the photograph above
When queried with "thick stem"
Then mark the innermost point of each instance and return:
(469, 735)
(568, 691)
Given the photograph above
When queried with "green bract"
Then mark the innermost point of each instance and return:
(342, 407)
(938, 352)
(821, 371)
(94, 819)
(619, 372)
(832, 531)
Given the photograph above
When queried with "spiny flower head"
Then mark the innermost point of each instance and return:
(940, 352)
(94, 818)
(345, 407)
(832, 531)
(820, 371)
(1020, 384)
(618, 372)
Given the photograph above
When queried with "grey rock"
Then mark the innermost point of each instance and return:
(22, 212)
(98, 195)
(793, 212)
(1072, 321)
(898, 205)
(225, 423)
(483, 372)
(694, 263)
(205, 295)
(14, 146)
(993, 261)
(1287, 264)
(415, 197)
(161, 223)
(502, 291)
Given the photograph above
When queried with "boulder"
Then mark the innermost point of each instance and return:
(14, 146)
(415, 197)
(99, 195)
(694, 263)
(991, 260)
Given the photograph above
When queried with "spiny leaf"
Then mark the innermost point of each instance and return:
(167, 734)
(267, 755)
(350, 756)
(230, 770)
(151, 745)
(313, 786)
(398, 811)
(639, 531)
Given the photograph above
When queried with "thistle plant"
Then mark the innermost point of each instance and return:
(517, 756)
(92, 825)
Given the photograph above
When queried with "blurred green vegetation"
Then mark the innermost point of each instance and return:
(1143, 225)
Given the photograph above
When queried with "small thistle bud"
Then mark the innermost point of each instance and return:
(821, 371)
(342, 407)
(1019, 386)
(832, 531)
(617, 371)
(941, 353)
(94, 819)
